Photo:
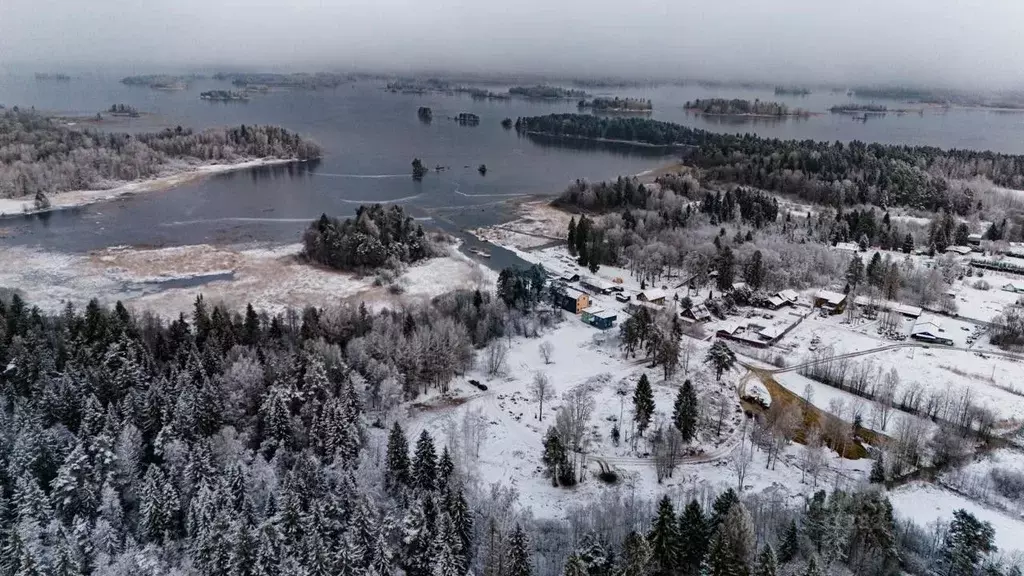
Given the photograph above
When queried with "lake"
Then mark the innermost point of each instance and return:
(370, 137)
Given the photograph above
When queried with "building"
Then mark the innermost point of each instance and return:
(847, 247)
(570, 278)
(960, 250)
(1016, 287)
(653, 296)
(572, 300)
(697, 313)
(596, 285)
(739, 286)
(930, 331)
(783, 298)
(888, 306)
(599, 317)
(831, 302)
(974, 239)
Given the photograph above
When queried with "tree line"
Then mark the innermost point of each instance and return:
(833, 174)
(38, 154)
(375, 238)
(732, 107)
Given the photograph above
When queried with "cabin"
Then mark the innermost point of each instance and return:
(652, 296)
(974, 239)
(783, 298)
(847, 247)
(599, 317)
(1015, 287)
(570, 278)
(831, 302)
(930, 331)
(572, 300)
(958, 250)
(906, 310)
(596, 285)
(697, 313)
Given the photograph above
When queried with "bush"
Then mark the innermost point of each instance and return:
(981, 285)
(1008, 483)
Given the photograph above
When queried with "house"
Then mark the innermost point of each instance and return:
(697, 313)
(596, 285)
(930, 331)
(974, 239)
(570, 278)
(783, 298)
(599, 317)
(1016, 287)
(831, 302)
(960, 250)
(572, 300)
(653, 296)
(888, 306)
(739, 286)
(847, 247)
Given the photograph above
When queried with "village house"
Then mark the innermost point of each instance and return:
(831, 302)
(652, 296)
(930, 331)
(572, 300)
(599, 317)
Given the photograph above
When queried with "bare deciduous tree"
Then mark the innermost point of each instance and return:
(813, 457)
(497, 354)
(885, 396)
(740, 463)
(541, 389)
(546, 348)
(668, 443)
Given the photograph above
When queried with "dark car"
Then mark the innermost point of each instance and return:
(481, 387)
(622, 297)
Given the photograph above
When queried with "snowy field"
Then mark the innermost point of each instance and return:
(167, 280)
(926, 504)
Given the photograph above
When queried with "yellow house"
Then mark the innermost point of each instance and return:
(573, 300)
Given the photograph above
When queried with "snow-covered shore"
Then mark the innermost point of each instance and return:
(177, 177)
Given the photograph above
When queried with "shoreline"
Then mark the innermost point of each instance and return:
(10, 207)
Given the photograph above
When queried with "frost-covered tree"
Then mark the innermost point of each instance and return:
(967, 541)
(424, 463)
(720, 357)
(643, 404)
(685, 411)
(664, 539)
(397, 473)
(519, 561)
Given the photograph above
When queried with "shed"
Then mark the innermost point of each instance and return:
(654, 296)
(599, 317)
(1016, 287)
(572, 300)
(974, 239)
(596, 285)
(847, 247)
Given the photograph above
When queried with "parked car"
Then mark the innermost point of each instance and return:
(481, 387)
(622, 297)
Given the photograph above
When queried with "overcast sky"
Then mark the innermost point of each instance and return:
(962, 43)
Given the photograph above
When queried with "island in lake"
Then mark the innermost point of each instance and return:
(617, 104)
(482, 94)
(161, 81)
(264, 80)
(59, 77)
(224, 96)
(467, 119)
(123, 110)
(545, 92)
(737, 107)
(791, 91)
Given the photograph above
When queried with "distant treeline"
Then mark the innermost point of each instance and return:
(617, 104)
(723, 106)
(47, 76)
(161, 81)
(222, 95)
(123, 110)
(298, 80)
(846, 108)
(375, 238)
(544, 91)
(831, 173)
(482, 94)
(38, 154)
(791, 91)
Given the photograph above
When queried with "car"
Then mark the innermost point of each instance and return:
(622, 297)
(478, 385)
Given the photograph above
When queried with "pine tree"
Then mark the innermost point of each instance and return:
(766, 564)
(812, 567)
(855, 271)
(572, 237)
(693, 538)
(396, 471)
(685, 413)
(462, 521)
(790, 544)
(636, 556)
(380, 557)
(445, 467)
(643, 404)
(519, 562)
(424, 464)
(875, 270)
(244, 551)
(574, 566)
(967, 541)
(417, 540)
(877, 471)
(720, 357)
(754, 272)
(908, 244)
(596, 559)
(664, 539)
(721, 507)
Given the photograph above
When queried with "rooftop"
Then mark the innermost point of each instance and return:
(833, 298)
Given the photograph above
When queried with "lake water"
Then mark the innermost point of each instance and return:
(370, 137)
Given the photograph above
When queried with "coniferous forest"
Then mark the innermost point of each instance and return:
(376, 237)
(244, 444)
(830, 173)
(39, 155)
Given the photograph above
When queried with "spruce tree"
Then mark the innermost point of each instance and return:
(643, 404)
(664, 539)
(445, 467)
(721, 507)
(812, 567)
(574, 566)
(967, 542)
(597, 560)
(519, 562)
(693, 538)
(424, 464)
(572, 236)
(877, 471)
(790, 545)
(636, 556)
(766, 564)
(684, 413)
(908, 243)
(396, 471)
(417, 538)
(462, 521)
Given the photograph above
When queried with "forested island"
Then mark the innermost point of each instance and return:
(425, 114)
(296, 80)
(162, 81)
(830, 173)
(377, 237)
(223, 96)
(39, 155)
(482, 94)
(543, 91)
(417, 86)
(737, 107)
(855, 108)
(123, 110)
(791, 91)
(616, 104)
(60, 77)
(467, 119)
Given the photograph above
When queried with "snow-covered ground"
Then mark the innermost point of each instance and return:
(538, 223)
(167, 280)
(177, 176)
(926, 504)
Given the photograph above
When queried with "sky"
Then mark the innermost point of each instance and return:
(974, 44)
